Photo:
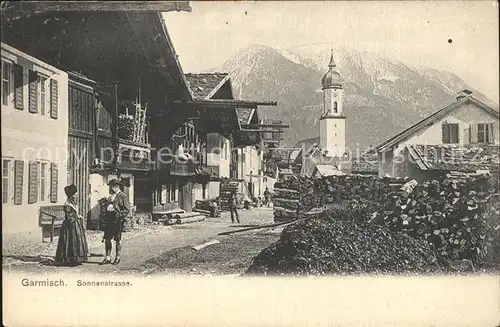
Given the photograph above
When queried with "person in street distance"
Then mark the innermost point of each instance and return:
(232, 208)
(117, 209)
(266, 197)
(72, 248)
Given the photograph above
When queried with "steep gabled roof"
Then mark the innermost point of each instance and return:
(404, 135)
(463, 158)
(205, 85)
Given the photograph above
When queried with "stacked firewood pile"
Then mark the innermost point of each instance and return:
(459, 218)
(300, 194)
(336, 244)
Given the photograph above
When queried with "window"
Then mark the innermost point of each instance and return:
(42, 92)
(6, 82)
(335, 107)
(5, 181)
(485, 133)
(204, 191)
(171, 192)
(449, 133)
(43, 181)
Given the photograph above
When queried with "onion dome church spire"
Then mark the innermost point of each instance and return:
(332, 78)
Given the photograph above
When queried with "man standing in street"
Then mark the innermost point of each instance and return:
(118, 208)
(232, 208)
(266, 196)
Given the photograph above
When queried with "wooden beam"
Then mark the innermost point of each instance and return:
(223, 103)
(260, 130)
(265, 125)
(39, 7)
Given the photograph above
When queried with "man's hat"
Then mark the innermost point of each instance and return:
(114, 182)
(70, 190)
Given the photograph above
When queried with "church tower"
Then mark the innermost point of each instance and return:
(332, 123)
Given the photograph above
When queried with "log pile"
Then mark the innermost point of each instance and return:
(335, 244)
(227, 187)
(313, 193)
(459, 218)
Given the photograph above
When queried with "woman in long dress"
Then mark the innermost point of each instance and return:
(72, 248)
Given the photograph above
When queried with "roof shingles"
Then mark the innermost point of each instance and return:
(464, 158)
(201, 85)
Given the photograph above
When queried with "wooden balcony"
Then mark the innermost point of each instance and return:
(133, 156)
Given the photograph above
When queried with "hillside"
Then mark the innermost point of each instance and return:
(383, 96)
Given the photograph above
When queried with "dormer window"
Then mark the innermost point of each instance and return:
(449, 133)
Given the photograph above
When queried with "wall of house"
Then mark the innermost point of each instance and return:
(385, 163)
(213, 189)
(253, 164)
(465, 115)
(29, 137)
(219, 153)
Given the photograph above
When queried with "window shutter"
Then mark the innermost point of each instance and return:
(445, 132)
(33, 94)
(53, 98)
(53, 182)
(491, 133)
(454, 133)
(473, 133)
(33, 182)
(18, 87)
(18, 181)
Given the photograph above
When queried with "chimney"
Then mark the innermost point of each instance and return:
(463, 94)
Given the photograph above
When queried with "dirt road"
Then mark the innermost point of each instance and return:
(150, 252)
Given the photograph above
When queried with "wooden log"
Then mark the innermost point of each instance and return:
(262, 226)
(205, 212)
(185, 215)
(190, 219)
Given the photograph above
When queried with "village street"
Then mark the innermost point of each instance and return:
(168, 249)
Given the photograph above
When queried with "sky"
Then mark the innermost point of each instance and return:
(460, 37)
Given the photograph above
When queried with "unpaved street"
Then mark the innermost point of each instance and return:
(153, 252)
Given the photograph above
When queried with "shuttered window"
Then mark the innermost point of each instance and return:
(53, 182)
(18, 182)
(6, 82)
(33, 91)
(33, 181)
(485, 133)
(18, 87)
(6, 181)
(449, 133)
(54, 98)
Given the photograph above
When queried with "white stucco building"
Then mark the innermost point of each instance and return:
(34, 142)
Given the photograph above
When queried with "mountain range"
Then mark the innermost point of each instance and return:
(382, 96)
